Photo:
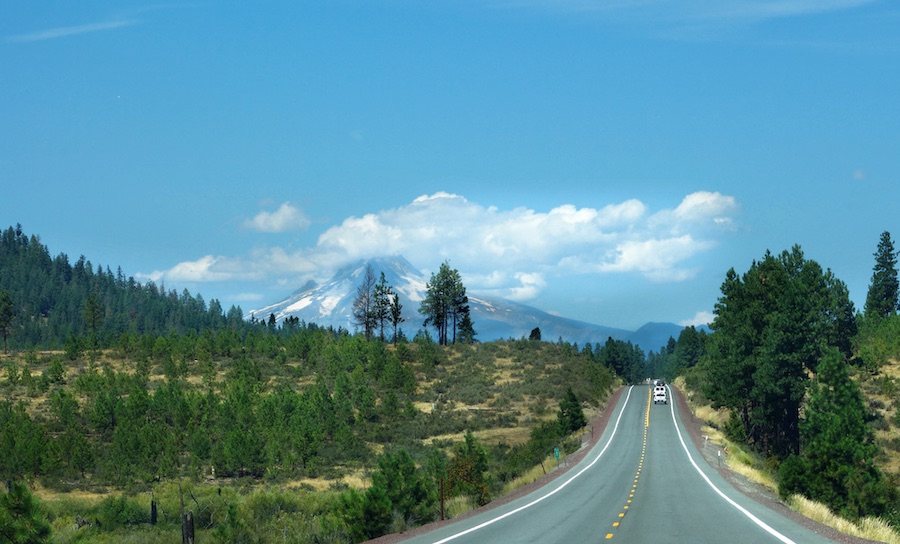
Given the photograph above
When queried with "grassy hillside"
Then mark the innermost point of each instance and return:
(114, 432)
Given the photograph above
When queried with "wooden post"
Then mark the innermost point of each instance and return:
(442, 498)
(187, 521)
(187, 529)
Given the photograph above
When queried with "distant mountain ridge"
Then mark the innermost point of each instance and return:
(331, 304)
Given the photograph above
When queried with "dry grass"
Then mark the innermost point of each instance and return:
(456, 506)
(739, 460)
(507, 371)
(714, 417)
(530, 476)
(510, 436)
(869, 528)
(886, 406)
(356, 479)
(752, 473)
(77, 495)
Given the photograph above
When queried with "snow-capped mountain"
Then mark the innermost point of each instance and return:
(331, 304)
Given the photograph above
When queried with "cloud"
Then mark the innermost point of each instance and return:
(657, 259)
(61, 32)
(204, 269)
(702, 207)
(700, 318)
(521, 245)
(531, 285)
(285, 218)
(513, 252)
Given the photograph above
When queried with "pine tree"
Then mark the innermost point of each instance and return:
(467, 470)
(382, 304)
(412, 495)
(21, 517)
(395, 312)
(836, 465)
(570, 416)
(364, 306)
(446, 305)
(6, 316)
(882, 298)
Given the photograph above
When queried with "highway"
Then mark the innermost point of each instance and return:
(643, 482)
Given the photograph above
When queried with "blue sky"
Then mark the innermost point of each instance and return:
(607, 161)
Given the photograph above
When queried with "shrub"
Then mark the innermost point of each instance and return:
(734, 429)
(119, 511)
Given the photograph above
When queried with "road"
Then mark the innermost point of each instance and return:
(644, 481)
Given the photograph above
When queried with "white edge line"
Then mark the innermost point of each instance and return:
(550, 494)
(740, 508)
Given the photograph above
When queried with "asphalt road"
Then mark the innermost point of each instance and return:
(643, 482)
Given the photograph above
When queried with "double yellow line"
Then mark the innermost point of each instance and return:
(649, 404)
(637, 475)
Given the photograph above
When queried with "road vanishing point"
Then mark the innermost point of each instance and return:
(644, 481)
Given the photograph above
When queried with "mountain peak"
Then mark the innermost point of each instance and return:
(331, 304)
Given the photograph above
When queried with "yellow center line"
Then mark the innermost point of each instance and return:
(637, 474)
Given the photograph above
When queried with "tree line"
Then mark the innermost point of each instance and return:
(48, 301)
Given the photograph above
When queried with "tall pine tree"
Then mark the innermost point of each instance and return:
(364, 305)
(6, 315)
(882, 298)
(446, 306)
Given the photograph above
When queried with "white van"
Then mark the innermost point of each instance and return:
(659, 395)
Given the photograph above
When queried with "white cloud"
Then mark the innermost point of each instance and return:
(697, 209)
(658, 259)
(703, 205)
(513, 252)
(530, 286)
(504, 249)
(285, 218)
(700, 318)
(206, 268)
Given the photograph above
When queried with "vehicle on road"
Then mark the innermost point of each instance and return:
(659, 395)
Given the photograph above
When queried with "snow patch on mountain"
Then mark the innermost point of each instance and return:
(299, 305)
